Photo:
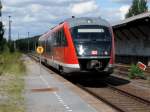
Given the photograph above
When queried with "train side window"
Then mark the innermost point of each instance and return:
(42, 43)
(45, 42)
(63, 39)
(39, 43)
(59, 38)
(48, 48)
(54, 40)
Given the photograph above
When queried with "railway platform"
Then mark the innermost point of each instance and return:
(46, 91)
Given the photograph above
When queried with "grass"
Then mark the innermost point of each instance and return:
(12, 69)
(11, 64)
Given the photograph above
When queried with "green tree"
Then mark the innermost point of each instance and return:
(2, 40)
(137, 7)
(144, 7)
(32, 42)
(0, 8)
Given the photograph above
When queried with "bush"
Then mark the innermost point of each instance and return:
(136, 72)
(2, 45)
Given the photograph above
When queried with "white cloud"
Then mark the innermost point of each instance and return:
(28, 18)
(122, 1)
(39, 15)
(123, 10)
(83, 7)
(35, 8)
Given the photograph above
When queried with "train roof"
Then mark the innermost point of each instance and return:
(80, 21)
(43, 37)
(87, 21)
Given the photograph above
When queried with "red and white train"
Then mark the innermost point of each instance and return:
(79, 44)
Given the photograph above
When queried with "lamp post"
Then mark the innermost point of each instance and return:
(28, 42)
(18, 36)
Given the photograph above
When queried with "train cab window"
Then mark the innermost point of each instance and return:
(90, 33)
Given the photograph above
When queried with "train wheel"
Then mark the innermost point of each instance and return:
(61, 70)
(106, 74)
(45, 61)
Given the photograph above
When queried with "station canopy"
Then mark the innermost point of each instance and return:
(134, 27)
(132, 36)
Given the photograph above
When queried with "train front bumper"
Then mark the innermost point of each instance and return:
(109, 69)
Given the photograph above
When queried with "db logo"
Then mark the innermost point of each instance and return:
(141, 65)
(94, 52)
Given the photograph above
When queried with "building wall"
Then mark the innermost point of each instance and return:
(132, 40)
(133, 46)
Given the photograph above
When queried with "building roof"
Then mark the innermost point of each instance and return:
(133, 18)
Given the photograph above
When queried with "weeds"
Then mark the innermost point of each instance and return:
(136, 72)
(12, 69)
(11, 64)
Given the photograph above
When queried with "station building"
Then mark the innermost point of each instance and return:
(132, 39)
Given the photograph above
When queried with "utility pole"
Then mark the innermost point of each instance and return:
(17, 42)
(28, 42)
(18, 36)
(35, 46)
(9, 33)
(15, 45)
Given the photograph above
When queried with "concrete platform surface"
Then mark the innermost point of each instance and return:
(46, 94)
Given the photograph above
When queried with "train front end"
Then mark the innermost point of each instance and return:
(94, 44)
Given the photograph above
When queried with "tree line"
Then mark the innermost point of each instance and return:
(2, 40)
(27, 44)
(137, 7)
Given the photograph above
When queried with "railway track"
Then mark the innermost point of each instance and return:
(120, 100)
(124, 70)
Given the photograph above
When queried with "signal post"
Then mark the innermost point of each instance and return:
(40, 51)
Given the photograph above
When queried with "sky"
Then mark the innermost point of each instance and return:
(38, 16)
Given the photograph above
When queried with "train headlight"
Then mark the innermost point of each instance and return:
(105, 52)
(89, 21)
(81, 50)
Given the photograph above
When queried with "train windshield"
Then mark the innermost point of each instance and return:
(90, 33)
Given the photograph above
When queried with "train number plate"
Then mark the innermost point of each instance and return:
(94, 52)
